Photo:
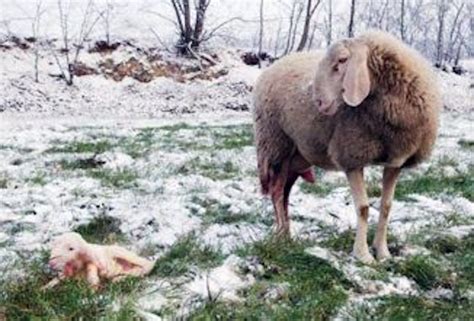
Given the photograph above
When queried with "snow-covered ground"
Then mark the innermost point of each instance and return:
(177, 158)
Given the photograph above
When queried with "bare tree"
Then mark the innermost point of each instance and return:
(106, 16)
(294, 6)
(296, 24)
(260, 40)
(441, 15)
(350, 29)
(402, 19)
(70, 50)
(190, 37)
(454, 34)
(36, 30)
(329, 23)
(277, 40)
(310, 9)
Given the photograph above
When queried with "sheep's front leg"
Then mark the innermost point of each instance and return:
(390, 178)
(361, 202)
(93, 275)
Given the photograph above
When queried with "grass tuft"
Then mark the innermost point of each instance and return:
(212, 170)
(3, 180)
(315, 289)
(399, 308)
(22, 298)
(122, 178)
(464, 143)
(38, 179)
(101, 229)
(184, 254)
(98, 147)
(433, 184)
(423, 269)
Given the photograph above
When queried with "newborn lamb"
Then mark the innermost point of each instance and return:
(73, 257)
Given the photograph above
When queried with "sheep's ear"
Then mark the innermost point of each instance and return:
(356, 81)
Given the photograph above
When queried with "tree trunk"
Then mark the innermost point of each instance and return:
(402, 20)
(329, 32)
(290, 29)
(350, 29)
(310, 9)
(199, 25)
(440, 39)
(295, 29)
(187, 23)
(260, 40)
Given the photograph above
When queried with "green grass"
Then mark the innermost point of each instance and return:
(22, 298)
(427, 272)
(3, 180)
(317, 188)
(433, 184)
(217, 213)
(81, 163)
(97, 147)
(39, 178)
(121, 178)
(344, 241)
(212, 170)
(464, 143)
(233, 137)
(184, 254)
(101, 229)
(315, 289)
(401, 308)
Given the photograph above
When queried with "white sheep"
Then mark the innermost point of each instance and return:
(368, 100)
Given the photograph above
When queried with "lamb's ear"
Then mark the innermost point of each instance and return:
(356, 81)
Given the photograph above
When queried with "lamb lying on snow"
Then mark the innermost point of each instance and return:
(73, 257)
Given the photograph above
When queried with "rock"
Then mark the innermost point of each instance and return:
(222, 282)
(80, 69)
(276, 291)
(104, 47)
(440, 294)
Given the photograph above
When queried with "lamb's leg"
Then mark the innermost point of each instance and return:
(390, 177)
(361, 202)
(92, 275)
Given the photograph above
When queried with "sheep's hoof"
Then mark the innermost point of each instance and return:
(363, 256)
(382, 253)
(282, 232)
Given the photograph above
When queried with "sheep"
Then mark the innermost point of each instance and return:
(369, 100)
(73, 257)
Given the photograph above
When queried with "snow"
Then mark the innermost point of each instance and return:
(223, 281)
(35, 117)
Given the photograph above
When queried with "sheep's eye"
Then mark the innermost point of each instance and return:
(342, 60)
(71, 249)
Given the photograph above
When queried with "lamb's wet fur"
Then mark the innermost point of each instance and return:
(395, 125)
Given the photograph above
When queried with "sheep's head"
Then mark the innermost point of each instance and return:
(69, 253)
(342, 76)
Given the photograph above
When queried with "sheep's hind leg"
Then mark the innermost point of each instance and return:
(390, 177)
(292, 177)
(361, 202)
(279, 180)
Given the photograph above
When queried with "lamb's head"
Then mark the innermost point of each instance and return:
(342, 76)
(69, 253)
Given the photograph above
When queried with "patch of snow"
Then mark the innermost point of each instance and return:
(223, 281)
